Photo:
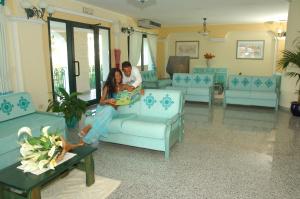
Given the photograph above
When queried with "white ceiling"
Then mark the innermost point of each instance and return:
(191, 12)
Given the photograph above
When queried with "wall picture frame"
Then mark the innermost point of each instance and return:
(250, 49)
(187, 48)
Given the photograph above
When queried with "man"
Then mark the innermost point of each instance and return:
(131, 76)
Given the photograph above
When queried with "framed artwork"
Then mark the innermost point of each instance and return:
(187, 48)
(250, 49)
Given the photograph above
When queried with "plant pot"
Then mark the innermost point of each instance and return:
(72, 122)
(295, 108)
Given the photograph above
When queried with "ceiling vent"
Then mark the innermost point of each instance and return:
(147, 23)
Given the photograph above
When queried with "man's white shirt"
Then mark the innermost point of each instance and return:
(135, 78)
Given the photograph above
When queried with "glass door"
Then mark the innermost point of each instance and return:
(80, 57)
(84, 63)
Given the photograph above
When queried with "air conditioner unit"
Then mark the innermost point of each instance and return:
(147, 23)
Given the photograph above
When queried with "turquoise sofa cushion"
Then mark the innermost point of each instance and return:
(182, 89)
(238, 82)
(197, 91)
(263, 83)
(238, 93)
(181, 80)
(263, 95)
(144, 126)
(15, 105)
(164, 104)
(202, 80)
(115, 125)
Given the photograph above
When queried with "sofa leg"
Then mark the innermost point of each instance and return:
(167, 154)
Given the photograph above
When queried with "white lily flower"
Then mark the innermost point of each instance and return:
(51, 152)
(42, 164)
(26, 130)
(52, 164)
(45, 130)
(26, 149)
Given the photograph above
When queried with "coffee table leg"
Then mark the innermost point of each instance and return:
(89, 170)
(1, 192)
(35, 193)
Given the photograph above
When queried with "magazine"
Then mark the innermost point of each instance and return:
(125, 97)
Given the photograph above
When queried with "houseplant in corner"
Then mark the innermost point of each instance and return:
(70, 105)
(292, 58)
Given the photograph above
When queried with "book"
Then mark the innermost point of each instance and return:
(125, 97)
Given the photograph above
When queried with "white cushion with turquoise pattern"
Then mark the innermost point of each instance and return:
(202, 80)
(197, 91)
(263, 83)
(239, 82)
(181, 80)
(15, 105)
(160, 103)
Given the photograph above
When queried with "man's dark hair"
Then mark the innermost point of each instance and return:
(126, 64)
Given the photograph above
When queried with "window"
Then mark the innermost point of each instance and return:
(145, 61)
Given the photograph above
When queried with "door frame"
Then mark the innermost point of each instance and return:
(70, 25)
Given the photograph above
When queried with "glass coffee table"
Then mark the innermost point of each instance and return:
(14, 183)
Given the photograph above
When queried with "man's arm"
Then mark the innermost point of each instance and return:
(138, 77)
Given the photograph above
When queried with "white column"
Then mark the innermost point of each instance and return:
(288, 85)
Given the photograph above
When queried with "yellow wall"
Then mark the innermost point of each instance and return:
(225, 50)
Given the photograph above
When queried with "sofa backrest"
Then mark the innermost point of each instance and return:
(263, 83)
(15, 105)
(239, 82)
(255, 83)
(161, 103)
(181, 79)
(156, 103)
(202, 80)
(149, 75)
(220, 73)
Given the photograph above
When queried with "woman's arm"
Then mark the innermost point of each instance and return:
(104, 100)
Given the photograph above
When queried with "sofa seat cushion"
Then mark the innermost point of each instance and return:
(238, 93)
(197, 91)
(145, 126)
(178, 88)
(263, 95)
(35, 121)
(164, 83)
(115, 125)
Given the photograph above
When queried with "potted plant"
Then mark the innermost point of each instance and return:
(293, 58)
(70, 105)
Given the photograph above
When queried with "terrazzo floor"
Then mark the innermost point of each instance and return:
(234, 153)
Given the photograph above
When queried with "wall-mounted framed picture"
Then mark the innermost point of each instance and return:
(250, 49)
(187, 48)
(2, 2)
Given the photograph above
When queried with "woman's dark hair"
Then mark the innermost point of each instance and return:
(111, 81)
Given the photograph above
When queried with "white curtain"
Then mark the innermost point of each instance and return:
(5, 85)
(135, 47)
(152, 41)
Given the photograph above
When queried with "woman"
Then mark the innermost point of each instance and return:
(105, 111)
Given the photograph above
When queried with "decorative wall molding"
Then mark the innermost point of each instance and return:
(58, 9)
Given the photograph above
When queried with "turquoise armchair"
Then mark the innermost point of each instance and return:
(150, 80)
(16, 111)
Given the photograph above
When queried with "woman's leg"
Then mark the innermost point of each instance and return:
(85, 130)
(100, 125)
